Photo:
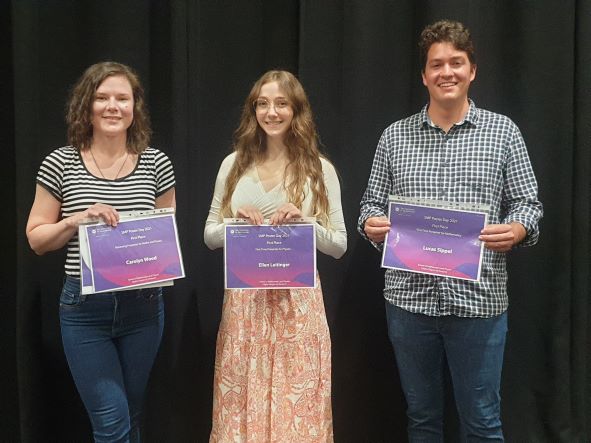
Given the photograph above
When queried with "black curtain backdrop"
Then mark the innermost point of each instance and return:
(358, 61)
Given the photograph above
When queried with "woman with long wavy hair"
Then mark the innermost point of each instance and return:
(273, 359)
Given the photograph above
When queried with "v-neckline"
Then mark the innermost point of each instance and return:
(265, 191)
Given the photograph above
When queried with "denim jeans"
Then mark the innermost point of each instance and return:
(474, 350)
(111, 340)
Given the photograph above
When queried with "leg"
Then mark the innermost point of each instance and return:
(140, 323)
(418, 348)
(474, 348)
(94, 361)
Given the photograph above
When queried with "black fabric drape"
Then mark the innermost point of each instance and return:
(9, 418)
(358, 61)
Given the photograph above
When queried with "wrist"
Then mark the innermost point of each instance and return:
(519, 232)
(72, 221)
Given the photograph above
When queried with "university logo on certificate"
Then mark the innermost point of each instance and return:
(141, 251)
(269, 256)
(435, 237)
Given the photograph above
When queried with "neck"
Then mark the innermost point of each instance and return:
(109, 145)
(276, 150)
(446, 116)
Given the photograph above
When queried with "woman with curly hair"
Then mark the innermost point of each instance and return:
(273, 359)
(111, 338)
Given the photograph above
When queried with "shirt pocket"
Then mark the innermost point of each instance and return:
(478, 182)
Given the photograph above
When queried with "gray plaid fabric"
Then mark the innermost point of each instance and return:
(483, 160)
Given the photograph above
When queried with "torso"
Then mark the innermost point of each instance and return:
(66, 176)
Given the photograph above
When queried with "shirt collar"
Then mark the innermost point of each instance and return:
(471, 116)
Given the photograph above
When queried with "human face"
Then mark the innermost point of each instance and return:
(447, 75)
(275, 118)
(112, 108)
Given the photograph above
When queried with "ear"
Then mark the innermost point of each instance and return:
(472, 72)
(423, 77)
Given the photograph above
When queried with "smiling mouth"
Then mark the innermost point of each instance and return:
(447, 84)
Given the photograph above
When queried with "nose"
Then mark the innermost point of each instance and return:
(112, 103)
(271, 110)
(446, 70)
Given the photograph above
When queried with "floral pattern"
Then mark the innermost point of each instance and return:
(272, 370)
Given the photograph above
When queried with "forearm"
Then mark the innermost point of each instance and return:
(521, 204)
(52, 236)
(213, 234)
(374, 202)
(331, 242)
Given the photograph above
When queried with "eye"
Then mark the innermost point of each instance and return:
(100, 98)
(281, 104)
(261, 103)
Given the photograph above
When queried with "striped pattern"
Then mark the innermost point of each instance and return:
(482, 160)
(64, 174)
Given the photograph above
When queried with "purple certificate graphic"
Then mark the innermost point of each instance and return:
(270, 257)
(434, 240)
(137, 252)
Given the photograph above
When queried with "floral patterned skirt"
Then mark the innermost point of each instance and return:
(272, 369)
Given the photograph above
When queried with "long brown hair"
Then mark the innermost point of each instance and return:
(79, 107)
(301, 140)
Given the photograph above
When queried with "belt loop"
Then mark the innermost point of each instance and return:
(81, 297)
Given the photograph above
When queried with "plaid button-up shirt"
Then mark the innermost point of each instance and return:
(482, 160)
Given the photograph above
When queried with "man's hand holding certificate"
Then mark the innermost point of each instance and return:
(433, 237)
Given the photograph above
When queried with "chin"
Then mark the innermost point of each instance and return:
(276, 134)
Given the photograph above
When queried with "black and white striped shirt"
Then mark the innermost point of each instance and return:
(64, 174)
(482, 160)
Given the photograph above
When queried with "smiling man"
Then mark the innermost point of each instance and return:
(453, 152)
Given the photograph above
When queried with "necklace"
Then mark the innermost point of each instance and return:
(101, 172)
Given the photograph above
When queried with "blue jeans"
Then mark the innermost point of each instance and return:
(473, 348)
(111, 340)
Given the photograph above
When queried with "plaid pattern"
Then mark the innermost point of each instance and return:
(482, 160)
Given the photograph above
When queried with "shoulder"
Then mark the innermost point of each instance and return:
(152, 157)
(226, 166)
(65, 153)
(329, 171)
(327, 166)
(53, 169)
(404, 125)
(59, 158)
(495, 121)
(227, 163)
(154, 153)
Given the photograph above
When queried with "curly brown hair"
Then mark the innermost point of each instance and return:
(301, 140)
(446, 31)
(79, 107)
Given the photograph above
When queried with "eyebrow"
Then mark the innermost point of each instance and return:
(452, 58)
(119, 94)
